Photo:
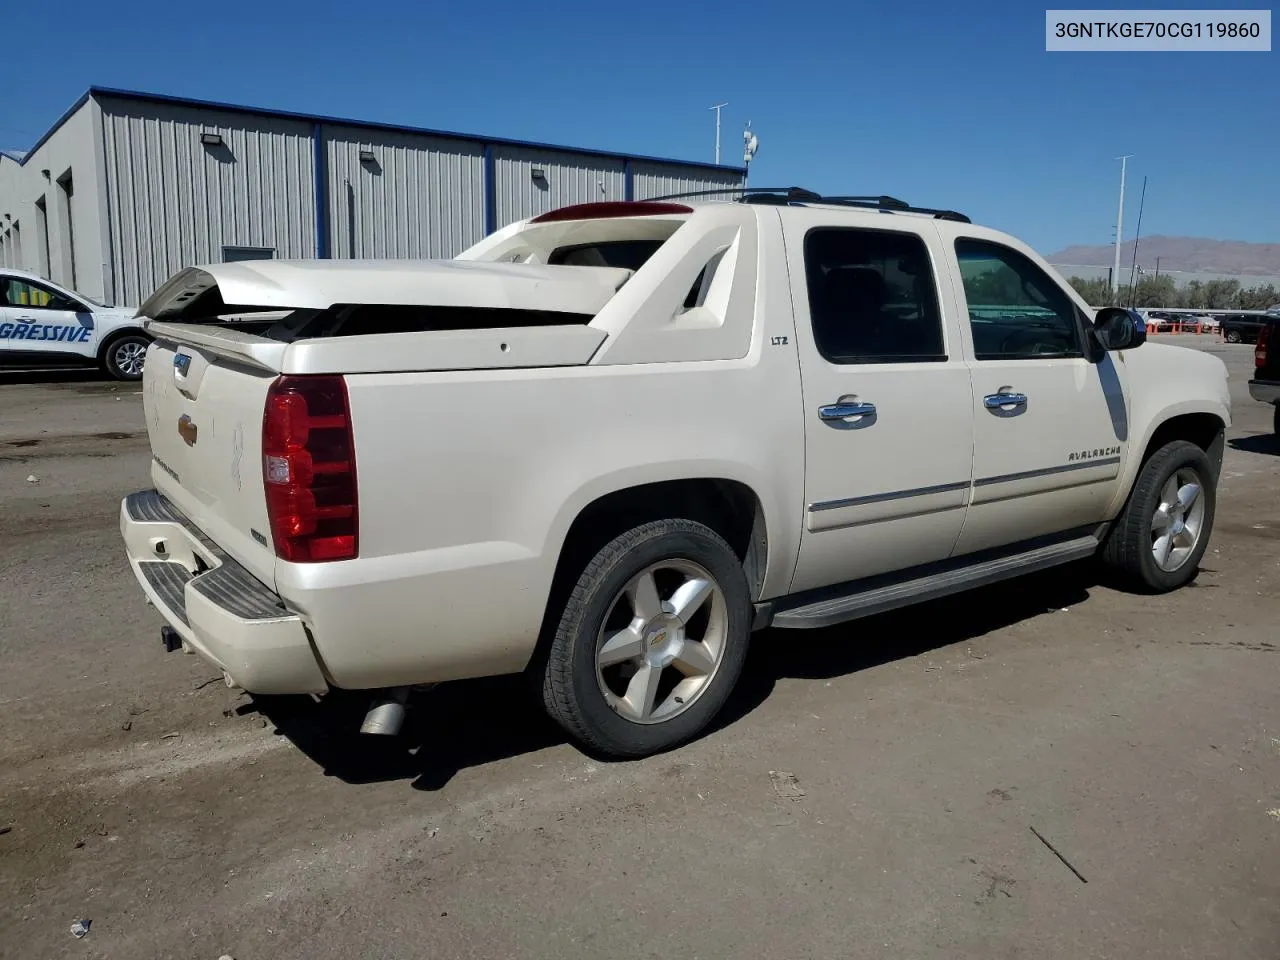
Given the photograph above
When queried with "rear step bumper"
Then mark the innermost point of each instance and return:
(218, 608)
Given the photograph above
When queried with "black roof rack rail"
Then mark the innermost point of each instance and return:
(747, 193)
(783, 196)
(893, 205)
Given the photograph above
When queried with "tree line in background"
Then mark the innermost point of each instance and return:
(1153, 291)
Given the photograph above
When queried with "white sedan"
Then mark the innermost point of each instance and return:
(43, 324)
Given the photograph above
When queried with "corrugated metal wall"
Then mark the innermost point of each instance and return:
(421, 196)
(659, 179)
(174, 201)
(570, 178)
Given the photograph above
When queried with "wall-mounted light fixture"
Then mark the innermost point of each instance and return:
(539, 173)
(211, 139)
(366, 156)
(45, 174)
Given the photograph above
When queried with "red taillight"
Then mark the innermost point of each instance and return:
(309, 470)
(611, 208)
(1260, 351)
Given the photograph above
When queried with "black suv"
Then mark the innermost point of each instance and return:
(1243, 327)
(1265, 385)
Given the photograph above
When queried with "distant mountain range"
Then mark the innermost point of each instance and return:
(1184, 254)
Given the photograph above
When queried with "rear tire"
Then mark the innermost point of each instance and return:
(1275, 420)
(124, 356)
(651, 640)
(1157, 541)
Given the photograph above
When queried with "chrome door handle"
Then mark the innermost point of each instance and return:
(846, 411)
(998, 401)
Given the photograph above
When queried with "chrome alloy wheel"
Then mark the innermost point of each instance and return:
(663, 640)
(1178, 521)
(129, 357)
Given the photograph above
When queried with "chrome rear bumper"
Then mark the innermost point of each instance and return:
(219, 608)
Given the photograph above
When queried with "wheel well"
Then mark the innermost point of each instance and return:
(729, 508)
(1205, 430)
(115, 335)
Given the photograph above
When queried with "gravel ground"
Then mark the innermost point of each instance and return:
(872, 790)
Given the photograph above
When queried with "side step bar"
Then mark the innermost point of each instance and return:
(866, 601)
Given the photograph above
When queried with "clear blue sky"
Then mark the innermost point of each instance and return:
(941, 103)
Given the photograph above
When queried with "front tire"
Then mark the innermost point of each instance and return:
(1232, 336)
(651, 640)
(124, 356)
(1157, 541)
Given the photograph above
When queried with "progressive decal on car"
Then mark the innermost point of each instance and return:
(57, 332)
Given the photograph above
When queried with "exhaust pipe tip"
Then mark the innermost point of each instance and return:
(386, 713)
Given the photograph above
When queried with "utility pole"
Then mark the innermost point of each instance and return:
(717, 108)
(1137, 235)
(1115, 274)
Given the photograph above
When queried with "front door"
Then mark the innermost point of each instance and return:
(1050, 425)
(888, 414)
(40, 320)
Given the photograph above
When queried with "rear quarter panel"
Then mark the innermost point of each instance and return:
(470, 480)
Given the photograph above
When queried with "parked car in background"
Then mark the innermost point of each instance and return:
(43, 324)
(606, 444)
(1243, 326)
(1265, 385)
(1164, 321)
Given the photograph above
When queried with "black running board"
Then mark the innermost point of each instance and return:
(864, 600)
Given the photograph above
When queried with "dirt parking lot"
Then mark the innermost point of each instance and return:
(871, 792)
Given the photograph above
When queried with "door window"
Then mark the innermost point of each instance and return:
(23, 293)
(872, 296)
(1016, 311)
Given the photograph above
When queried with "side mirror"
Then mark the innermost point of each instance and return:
(1116, 328)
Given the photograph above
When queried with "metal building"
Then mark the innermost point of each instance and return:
(127, 188)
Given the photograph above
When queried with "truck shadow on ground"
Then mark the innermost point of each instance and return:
(53, 375)
(472, 723)
(1268, 443)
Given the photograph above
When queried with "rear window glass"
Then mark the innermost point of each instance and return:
(628, 254)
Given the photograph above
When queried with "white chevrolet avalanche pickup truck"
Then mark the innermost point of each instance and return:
(606, 444)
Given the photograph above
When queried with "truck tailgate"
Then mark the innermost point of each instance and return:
(203, 398)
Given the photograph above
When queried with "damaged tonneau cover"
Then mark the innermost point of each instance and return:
(320, 284)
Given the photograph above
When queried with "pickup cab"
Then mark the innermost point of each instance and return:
(605, 445)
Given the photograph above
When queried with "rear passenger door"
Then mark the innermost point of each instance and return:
(887, 404)
(1050, 425)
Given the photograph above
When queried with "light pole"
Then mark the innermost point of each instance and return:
(717, 108)
(1115, 274)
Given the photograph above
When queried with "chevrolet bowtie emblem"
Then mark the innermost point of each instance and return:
(187, 430)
